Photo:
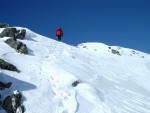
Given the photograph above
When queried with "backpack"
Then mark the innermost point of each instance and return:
(59, 32)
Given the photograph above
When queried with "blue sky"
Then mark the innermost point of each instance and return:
(123, 23)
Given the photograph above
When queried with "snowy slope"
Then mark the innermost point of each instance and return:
(109, 83)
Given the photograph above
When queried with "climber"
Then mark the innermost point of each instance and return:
(59, 34)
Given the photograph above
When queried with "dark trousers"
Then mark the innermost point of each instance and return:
(59, 38)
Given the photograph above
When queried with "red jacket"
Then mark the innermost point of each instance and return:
(59, 32)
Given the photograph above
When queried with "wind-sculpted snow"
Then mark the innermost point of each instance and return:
(108, 83)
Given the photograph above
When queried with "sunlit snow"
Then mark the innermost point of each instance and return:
(108, 83)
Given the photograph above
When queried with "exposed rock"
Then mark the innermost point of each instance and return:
(8, 66)
(75, 83)
(16, 99)
(20, 109)
(13, 32)
(115, 52)
(7, 105)
(14, 44)
(12, 104)
(3, 85)
(23, 49)
(21, 34)
(19, 46)
(4, 25)
(9, 32)
(109, 47)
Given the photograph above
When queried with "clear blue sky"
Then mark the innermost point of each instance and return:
(123, 23)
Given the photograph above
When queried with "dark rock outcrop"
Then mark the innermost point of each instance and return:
(19, 46)
(23, 49)
(7, 105)
(4, 25)
(75, 83)
(21, 34)
(9, 32)
(13, 32)
(12, 104)
(115, 52)
(3, 85)
(7, 66)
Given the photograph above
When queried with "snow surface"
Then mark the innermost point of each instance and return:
(109, 83)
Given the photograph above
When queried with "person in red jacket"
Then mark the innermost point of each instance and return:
(59, 34)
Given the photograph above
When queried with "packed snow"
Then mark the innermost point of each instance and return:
(108, 83)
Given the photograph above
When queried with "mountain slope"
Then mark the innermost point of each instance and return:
(108, 83)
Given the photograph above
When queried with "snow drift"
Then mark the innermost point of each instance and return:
(111, 79)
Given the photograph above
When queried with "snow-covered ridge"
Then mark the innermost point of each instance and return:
(108, 83)
(105, 49)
